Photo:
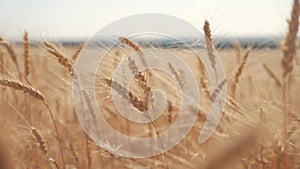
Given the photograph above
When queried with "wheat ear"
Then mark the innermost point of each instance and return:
(239, 72)
(238, 49)
(211, 55)
(40, 140)
(25, 88)
(143, 82)
(209, 43)
(26, 54)
(176, 75)
(9, 49)
(141, 105)
(62, 59)
(77, 52)
(131, 44)
(12, 54)
(136, 48)
(218, 90)
(289, 44)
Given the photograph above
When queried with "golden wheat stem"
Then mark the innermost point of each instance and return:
(18, 113)
(203, 84)
(285, 121)
(272, 75)
(1, 63)
(238, 49)
(74, 154)
(54, 162)
(89, 160)
(57, 133)
(287, 63)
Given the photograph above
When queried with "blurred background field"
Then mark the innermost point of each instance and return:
(259, 128)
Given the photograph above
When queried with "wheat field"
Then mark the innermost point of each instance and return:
(259, 128)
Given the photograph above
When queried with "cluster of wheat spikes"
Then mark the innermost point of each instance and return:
(259, 128)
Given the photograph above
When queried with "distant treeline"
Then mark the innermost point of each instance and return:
(221, 43)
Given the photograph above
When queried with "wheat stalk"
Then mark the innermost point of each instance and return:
(240, 71)
(134, 70)
(54, 162)
(211, 55)
(88, 154)
(205, 87)
(12, 54)
(289, 53)
(143, 82)
(9, 49)
(26, 54)
(238, 49)
(289, 44)
(77, 52)
(62, 59)
(218, 89)
(132, 66)
(141, 105)
(176, 75)
(119, 88)
(209, 43)
(35, 133)
(138, 103)
(202, 79)
(36, 94)
(40, 140)
(25, 88)
(26, 68)
(73, 153)
(1, 63)
(136, 48)
(131, 44)
(272, 75)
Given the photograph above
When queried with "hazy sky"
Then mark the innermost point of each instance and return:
(64, 19)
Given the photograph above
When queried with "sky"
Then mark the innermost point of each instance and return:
(81, 19)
